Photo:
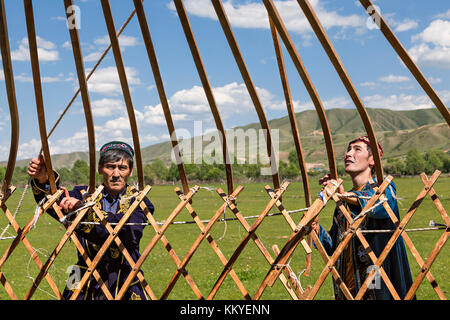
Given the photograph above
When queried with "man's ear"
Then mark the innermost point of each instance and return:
(131, 172)
(371, 161)
(100, 169)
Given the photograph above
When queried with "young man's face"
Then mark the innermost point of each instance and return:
(357, 158)
(115, 175)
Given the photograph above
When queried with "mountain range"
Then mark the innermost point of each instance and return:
(397, 131)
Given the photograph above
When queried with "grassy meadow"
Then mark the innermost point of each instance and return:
(205, 266)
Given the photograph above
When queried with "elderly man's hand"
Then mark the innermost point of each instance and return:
(69, 204)
(37, 170)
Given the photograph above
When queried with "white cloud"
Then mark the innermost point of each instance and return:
(332, 103)
(232, 99)
(444, 15)
(46, 50)
(94, 56)
(433, 45)
(107, 107)
(394, 79)
(29, 149)
(4, 119)
(400, 26)
(254, 15)
(436, 56)
(124, 41)
(154, 115)
(437, 33)
(106, 80)
(368, 84)
(403, 101)
(434, 80)
(406, 25)
(44, 79)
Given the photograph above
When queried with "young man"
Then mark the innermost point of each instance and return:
(116, 166)
(354, 263)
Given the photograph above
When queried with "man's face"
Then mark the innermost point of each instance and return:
(115, 175)
(357, 158)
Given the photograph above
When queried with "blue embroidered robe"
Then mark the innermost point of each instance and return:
(113, 267)
(355, 259)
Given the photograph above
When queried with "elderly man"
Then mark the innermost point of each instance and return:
(116, 166)
(354, 263)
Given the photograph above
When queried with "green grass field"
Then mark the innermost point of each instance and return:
(205, 266)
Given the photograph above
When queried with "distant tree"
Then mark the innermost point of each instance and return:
(290, 171)
(160, 169)
(20, 176)
(191, 170)
(293, 158)
(395, 166)
(2, 172)
(173, 173)
(149, 175)
(415, 163)
(252, 170)
(214, 174)
(434, 160)
(446, 163)
(66, 175)
(80, 172)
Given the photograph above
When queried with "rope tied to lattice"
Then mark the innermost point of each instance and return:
(36, 214)
(292, 274)
(359, 216)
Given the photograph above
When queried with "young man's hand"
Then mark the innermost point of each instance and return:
(315, 225)
(324, 182)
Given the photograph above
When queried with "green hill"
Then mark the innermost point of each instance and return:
(397, 131)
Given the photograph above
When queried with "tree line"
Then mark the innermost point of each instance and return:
(158, 172)
(415, 163)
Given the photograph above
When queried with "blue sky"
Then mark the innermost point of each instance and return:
(380, 78)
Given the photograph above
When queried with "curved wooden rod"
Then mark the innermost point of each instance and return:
(78, 57)
(32, 42)
(125, 88)
(295, 57)
(160, 86)
(295, 132)
(207, 88)
(12, 101)
(94, 68)
(345, 78)
(220, 11)
(290, 109)
(406, 58)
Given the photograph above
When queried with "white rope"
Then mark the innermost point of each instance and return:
(433, 225)
(19, 205)
(225, 222)
(28, 276)
(406, 230)
(36, 213)
(292, 273)
(63, 220)
(363, 213)
(359, 216)
(192, 222)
